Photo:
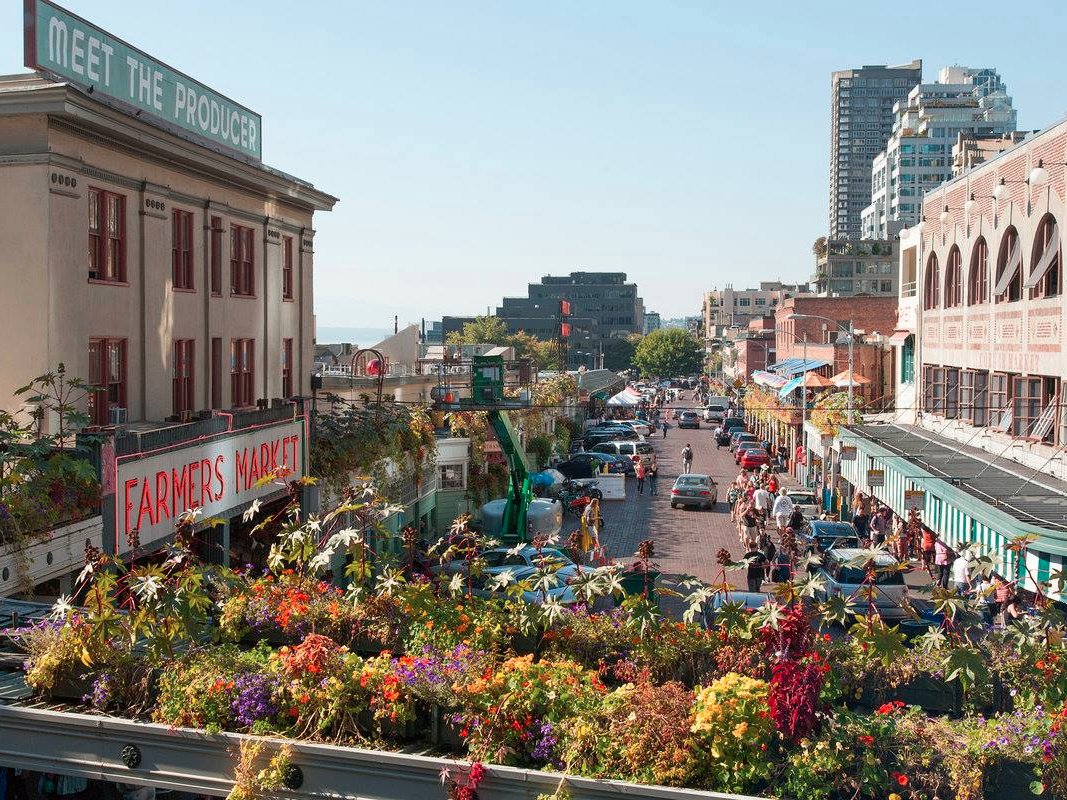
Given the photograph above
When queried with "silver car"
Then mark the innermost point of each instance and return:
(843, 572)
(806, 501)
(693, 489)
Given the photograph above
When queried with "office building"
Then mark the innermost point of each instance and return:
(652, 322)
(735, 308)
(603, 306)
(861, 123)
(926, 126)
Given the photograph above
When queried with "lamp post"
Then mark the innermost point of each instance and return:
(850, 332)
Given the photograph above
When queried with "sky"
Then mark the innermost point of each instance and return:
(478, 146)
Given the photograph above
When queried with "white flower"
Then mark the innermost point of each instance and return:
(252, 510)
(320, 561)
(86, 573)
(147, 586)
(502, 579)
(61, 608)
(455, 586)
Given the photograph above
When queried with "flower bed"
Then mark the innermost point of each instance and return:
(758, 704)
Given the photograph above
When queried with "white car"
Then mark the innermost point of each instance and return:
(641, 428)
(806, 501)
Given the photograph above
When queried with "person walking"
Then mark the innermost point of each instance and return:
(782, 509)
(928, 537)
(757, 565)
(653, 479)
(943, 562)
(861, 521)
(961, 575)
(639, 473)
(687, 459)
(764, 500)
(663, 427)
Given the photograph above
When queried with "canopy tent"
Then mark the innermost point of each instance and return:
(809, 380)
(627, 397)
(777, 365)
(767, 379)
(841, 379)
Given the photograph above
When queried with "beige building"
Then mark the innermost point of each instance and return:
(735, 308)
(174, 276)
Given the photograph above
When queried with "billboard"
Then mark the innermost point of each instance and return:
(70, 49)
(216, 475)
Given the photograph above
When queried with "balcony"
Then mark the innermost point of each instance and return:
(909, 289)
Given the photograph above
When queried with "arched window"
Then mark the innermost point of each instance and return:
(1009, 285)
(932, 287)
(953, 279)
(1046, 274)
(978, 280)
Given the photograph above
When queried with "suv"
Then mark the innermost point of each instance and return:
(843, 576)
(629, 449)
(689, 419)
(714, 414)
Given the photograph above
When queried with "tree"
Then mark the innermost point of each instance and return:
(619, 353)
(819, 247)
(483, 330)
(544, 354)
(669, 352)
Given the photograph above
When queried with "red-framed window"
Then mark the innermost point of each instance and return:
(974, 397)
(287, 368)
(978, 283)
(287, 268)
(242, 372)
(184, 375)
(107, 379)
(181, 252)
(1028, 399)
(217, 241)
(216, 372)
(1000, 386)
(242, 262)
(107, 236)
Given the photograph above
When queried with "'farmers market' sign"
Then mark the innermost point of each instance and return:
(67, 47)
(216, 476)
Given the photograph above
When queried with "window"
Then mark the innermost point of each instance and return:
(974, 396)
(107, 236)
(216, 255)
(936, 390)
(932, 287)
(181, 249)
(216, 373)
(242, 368)
(184, 366)
(953, 279)
(952, 392)
(999, 397)
(1028, 402)
(451, 476)
(242, 262)
(1009, 286)
(107, 377)
(287, 268)
(287, 368)
(978, 280)
(1045, 273)
(907, 360)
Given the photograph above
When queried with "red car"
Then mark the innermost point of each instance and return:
(752, 459)
(743, 448)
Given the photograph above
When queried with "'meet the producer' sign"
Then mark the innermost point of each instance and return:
(215, 476)
(71, 49)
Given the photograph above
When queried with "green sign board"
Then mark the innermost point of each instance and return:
(67, 47)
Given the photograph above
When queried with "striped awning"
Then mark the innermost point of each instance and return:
(767, 379)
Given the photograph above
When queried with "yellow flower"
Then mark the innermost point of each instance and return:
(894, 796)
(740, 729)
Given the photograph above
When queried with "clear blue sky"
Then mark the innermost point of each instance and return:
(477, 146)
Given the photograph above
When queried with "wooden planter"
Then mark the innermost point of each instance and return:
(932, 695)
(1008, 780)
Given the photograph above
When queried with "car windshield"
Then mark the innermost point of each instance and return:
(802, 498)
(692, 480)
(832, 529)
(854, 576)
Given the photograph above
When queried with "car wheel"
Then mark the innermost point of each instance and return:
(674, 505)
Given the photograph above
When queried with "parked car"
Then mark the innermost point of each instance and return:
(714, 414)
(595, 436)
(748, 601)
(744, 447)
(754, 458)
(829, 535)
(617, 464)
(693, 489)
(689, 419)
(639, 425)
(629, 449)
(740, 436)
(730, 423)
(806, 501)
(844, 575)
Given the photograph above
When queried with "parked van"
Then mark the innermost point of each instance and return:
(628, 449)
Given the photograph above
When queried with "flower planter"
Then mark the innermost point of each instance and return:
(71, 687)
(444, 733)
(1008, 780)
(932, 695)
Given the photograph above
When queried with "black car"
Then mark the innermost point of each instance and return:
(733, 422)
(595, 436)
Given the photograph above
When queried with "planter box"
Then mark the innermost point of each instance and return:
(932, 695)
(1008, 780)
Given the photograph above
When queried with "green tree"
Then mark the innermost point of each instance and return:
(619, 353)
(669, 352)
(483, 330)
(819, 247)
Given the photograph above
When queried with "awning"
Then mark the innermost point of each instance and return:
(1015, 261)
(800, 365)
(627, 397)
(791, 385)
(778, 364)
(899, 337)
(767, 379)
(841, 379)
(1052, 251)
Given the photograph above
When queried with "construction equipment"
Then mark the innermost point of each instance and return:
(487, 393)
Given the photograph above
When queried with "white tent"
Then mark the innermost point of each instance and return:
(627, 397)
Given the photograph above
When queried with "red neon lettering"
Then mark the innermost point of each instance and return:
(126, 500)
(194, 484)
(162, 492)
(205, 480)
(264, 458)
(221, 491)
(180, 489)
(275, 446)
(242, 470)
(147, 506)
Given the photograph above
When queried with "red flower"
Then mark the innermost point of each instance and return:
(867, 740)
(899, 778)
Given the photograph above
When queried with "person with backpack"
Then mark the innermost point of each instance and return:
(687, 459)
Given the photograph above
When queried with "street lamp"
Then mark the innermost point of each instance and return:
(850, 332)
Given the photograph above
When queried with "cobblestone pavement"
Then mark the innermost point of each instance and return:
(686, 540)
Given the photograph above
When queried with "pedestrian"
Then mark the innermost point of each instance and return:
(796, 519)
(772, 484)
(653, 479)
(764, 501)
(961, 575)
(783, 566)
(769, 551)
(1003, 594)
(756, 569)
(749, 524)
(663, 427)
(903, 536)
(782, 509)
(928, 537)
(639, 473)
(687, 459)
(943, 562)
(862, 523)
(985, 595)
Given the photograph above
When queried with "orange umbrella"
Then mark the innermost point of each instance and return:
(813, 380)
(842, 379)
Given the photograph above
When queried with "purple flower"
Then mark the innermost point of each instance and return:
(253, 701)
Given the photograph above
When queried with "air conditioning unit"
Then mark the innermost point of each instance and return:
(116, 416)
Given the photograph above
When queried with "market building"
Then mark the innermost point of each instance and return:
(159, 259)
